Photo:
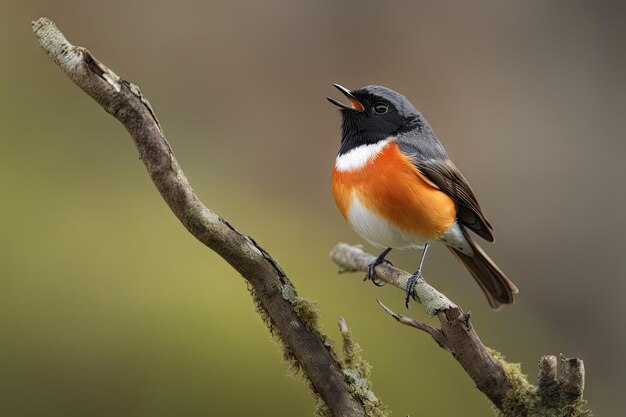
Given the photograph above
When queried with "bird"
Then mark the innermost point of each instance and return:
(395, 185)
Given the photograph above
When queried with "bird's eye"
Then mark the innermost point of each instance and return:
(381, 108)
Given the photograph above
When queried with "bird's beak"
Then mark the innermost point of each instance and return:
(354, 103)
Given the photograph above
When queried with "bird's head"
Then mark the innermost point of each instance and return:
(375, 113)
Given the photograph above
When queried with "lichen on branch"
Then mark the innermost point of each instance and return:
(293, 321)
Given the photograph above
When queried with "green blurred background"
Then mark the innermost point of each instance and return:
(108, 307)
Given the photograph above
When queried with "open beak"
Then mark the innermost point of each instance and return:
(354, 103)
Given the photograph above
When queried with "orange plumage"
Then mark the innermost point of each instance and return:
(393, 188)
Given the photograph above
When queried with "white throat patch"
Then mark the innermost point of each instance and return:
(358, 157)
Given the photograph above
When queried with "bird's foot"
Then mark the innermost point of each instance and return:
(371, 273)
(410, 287)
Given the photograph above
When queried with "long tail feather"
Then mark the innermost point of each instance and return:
(498, 288)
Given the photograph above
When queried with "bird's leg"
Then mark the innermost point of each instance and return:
(371, 274)
(410, 285)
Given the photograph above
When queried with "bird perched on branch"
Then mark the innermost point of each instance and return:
(394, 184)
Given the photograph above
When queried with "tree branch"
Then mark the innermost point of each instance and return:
(353, 258)
(276, 294)
(503, 383)
(436, 334)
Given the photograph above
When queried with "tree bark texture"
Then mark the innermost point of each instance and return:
(557, 393)
(275, 292)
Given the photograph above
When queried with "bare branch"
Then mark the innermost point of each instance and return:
(435, 333)
(459, 335)
(503, 383)
(354, 258)
(276, 294)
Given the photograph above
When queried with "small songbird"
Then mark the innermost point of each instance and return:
(394, 184)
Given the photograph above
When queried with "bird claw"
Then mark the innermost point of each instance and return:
(410, 287)
(371, 273)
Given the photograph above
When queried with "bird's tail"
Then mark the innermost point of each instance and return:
(498, 288)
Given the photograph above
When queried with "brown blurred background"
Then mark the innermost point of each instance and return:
(108, 307)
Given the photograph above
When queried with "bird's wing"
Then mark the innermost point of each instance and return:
(447, 177)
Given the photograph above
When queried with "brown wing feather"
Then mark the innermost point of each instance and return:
(445, 175)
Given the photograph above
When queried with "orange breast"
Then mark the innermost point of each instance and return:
(393, 188)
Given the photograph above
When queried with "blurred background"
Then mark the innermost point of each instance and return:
(108, 307)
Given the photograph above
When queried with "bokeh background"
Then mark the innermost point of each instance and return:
(108, 307)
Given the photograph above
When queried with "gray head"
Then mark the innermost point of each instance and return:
(376, 113)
